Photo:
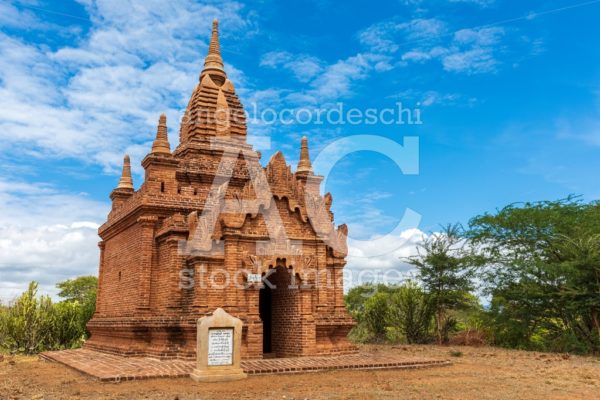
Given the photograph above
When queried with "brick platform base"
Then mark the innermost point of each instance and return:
(113, 368)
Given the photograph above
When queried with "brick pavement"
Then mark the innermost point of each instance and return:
(114, 368)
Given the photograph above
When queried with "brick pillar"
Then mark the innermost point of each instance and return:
(254, 339)
(174, 267)
(200, 302)
(147, 224)
(338, 271)
(232, 264)
(308, 328)
(322, 291)
(101, 277)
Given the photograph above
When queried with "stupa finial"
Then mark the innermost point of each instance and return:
(213, 64)
(126, 182)
(161, 143)
(304, 165)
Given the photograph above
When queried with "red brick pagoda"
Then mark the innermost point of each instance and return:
(210, 227)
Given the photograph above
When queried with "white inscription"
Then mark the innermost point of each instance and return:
(220, 346)
(254, 278)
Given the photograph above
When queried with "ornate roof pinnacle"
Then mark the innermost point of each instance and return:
(161, 143)
(126, 182)
(304, 165)
(213, 64)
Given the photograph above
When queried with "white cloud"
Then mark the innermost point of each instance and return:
(427, 98)
(304, 67)
(46, 235)
(326, 82)
(481, 3)
(13, 17)
(388, 267)
(95, 100)
(336, 79)
(479, 37)
(469, 51)
(470, 61)
(473, 50)
(389, 36)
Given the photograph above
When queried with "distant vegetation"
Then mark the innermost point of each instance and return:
(538, 263)
(32, 323)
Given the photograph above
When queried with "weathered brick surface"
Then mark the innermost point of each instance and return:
(161, 236)
(113, 368)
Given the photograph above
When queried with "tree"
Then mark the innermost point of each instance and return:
(357, 297)
(446, 267)
(543, 273)
(78, 289)
(81, 290)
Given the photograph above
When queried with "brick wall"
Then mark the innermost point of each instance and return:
(120, 275)
(286, 332)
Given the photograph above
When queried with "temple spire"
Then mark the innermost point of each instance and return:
(304, 165)
(213, 64)
(161, 143)
(126, 182)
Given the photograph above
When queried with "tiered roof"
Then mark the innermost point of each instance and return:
(214, 108)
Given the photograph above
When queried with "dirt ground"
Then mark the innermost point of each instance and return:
(480, 373)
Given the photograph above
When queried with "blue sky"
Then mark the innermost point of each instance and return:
(509, 93)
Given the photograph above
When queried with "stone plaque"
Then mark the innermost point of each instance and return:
(219, 343)
(254, 278)
(220, 346)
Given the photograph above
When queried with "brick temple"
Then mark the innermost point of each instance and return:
(207, 228)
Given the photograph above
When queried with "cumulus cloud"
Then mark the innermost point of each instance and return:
(94, 100)
(46, 235)
(388, 266)
(13, 17)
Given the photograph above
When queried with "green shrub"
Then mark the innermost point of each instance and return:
(410, 314)
(375, 314)
(26, 325)
(68, 325)
(32, 323)
(361, 334)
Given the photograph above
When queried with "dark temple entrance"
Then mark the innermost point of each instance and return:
(279, 310)
(265, 310)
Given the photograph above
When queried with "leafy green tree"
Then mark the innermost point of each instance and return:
(81, 290)
(446, 268)
(78, 289)
(543, 273)
(357, 297)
